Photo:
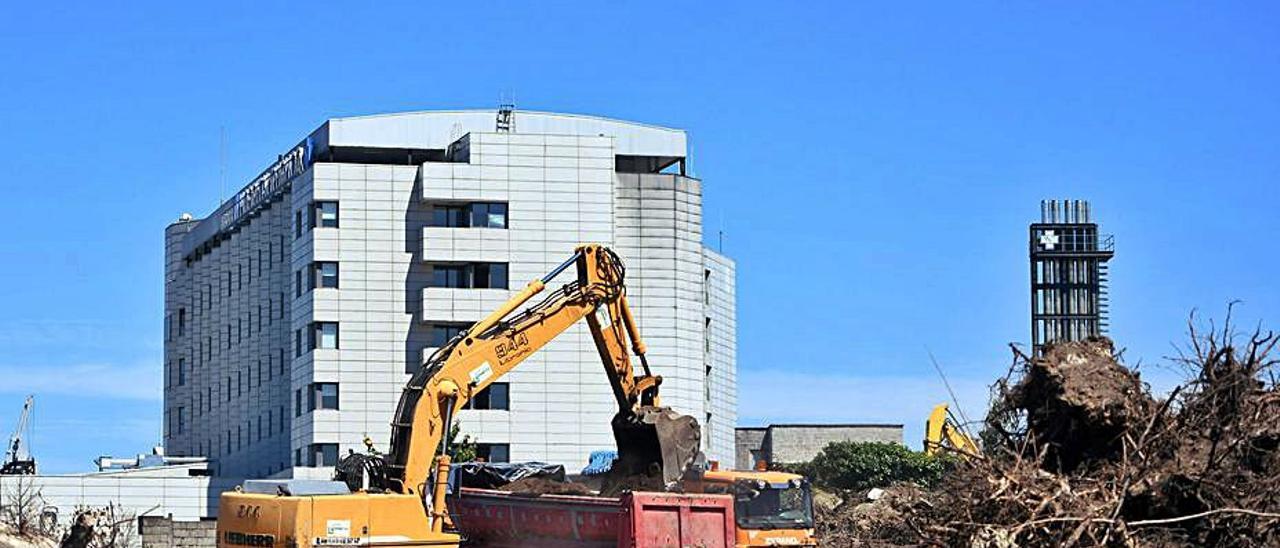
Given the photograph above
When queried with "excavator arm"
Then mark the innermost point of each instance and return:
(648, 437)
(941, 431)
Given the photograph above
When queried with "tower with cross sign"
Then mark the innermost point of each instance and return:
(1069, 274)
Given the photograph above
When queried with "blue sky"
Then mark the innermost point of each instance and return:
(872, 169)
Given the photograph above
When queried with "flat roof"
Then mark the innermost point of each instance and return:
(438, 128)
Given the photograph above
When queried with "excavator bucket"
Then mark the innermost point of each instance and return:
(655, 445)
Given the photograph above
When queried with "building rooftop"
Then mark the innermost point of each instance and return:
(436, 129)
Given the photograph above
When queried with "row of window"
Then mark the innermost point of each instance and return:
(274, 420)
(203, 298)
(470, 276)
(472, 215)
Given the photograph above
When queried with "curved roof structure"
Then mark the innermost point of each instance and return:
(439, 128)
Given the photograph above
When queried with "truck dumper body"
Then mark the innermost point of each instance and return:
(499, 519)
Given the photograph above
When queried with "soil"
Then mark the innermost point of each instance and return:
(543, 486)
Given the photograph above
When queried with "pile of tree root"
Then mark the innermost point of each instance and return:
(1077, 452)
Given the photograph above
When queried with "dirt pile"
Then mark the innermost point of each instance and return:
(1079, 402)
(543, 486)
(1079, 453)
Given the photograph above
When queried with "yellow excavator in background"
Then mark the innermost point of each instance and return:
(942, 432)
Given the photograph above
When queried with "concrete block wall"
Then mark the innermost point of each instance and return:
(164, 532)
(793, 443)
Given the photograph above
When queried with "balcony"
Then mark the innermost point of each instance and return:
(441, 244)
(446, 304)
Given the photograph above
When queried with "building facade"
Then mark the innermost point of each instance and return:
(1069, 274)
(297, 310)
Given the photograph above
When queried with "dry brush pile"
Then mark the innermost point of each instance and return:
(1079, 453)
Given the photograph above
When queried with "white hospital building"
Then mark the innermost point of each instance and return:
(295, 312)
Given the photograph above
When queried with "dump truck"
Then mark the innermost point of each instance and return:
(499, 519)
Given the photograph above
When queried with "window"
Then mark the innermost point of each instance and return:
(324, 335)
(324, 274)
(228, 387)
(489, 215)
(297, 343)
(239, 384)
(260, 372)
(324, 395)
(493, 452)
(297, 224)
(182, 322)
(182, 371)
(182, 419)
(271, 425)
(297, 283)
(474, 215)
(297, 402)
(442, 333)
(324, 454)
(494, 396)
(470, 276)
(282, 418)
(259, 428)
(297, 457)
(325, 215)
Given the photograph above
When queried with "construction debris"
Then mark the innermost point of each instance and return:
(1079, 453)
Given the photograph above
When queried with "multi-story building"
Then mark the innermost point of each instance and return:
(296, 311)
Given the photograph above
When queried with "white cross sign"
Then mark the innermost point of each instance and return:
(1048, 240)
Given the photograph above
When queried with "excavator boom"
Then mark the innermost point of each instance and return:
(652, 441)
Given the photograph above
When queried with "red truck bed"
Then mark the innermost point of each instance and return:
(636, 520)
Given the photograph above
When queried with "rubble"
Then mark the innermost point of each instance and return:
(1079, 453)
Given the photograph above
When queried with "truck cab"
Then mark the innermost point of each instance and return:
(770, 508)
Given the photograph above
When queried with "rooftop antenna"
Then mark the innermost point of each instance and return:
(506, 112)
(721, 251)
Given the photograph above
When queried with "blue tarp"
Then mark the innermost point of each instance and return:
(600, 462)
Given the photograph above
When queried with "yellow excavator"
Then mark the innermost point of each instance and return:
(401, 501)
(943, 433)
